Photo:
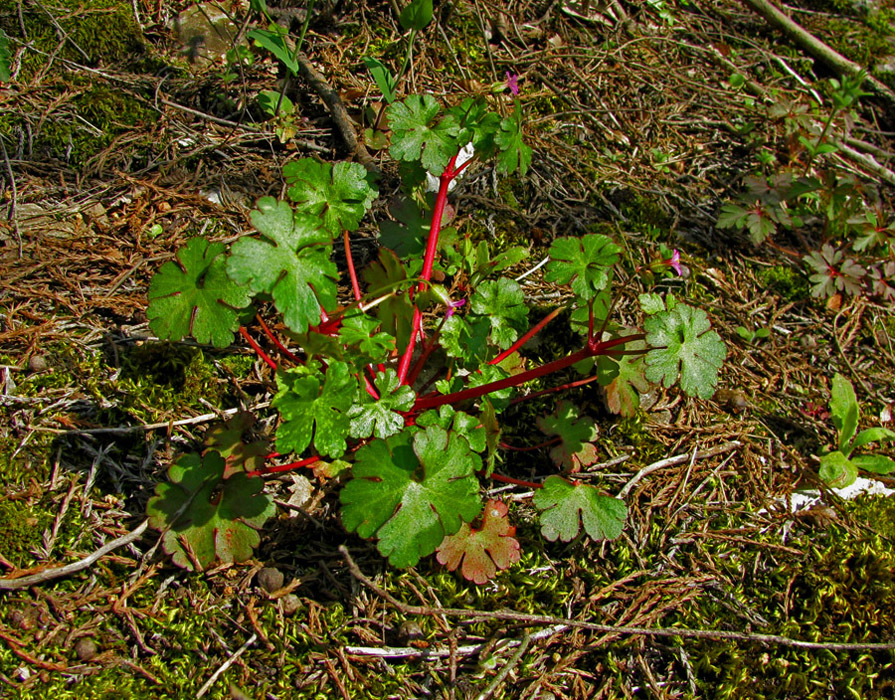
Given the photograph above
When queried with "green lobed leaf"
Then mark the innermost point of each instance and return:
(565, 507)
(837, 470)
(623, 393)
(381, 417)
(290, 262)
(466, 338)
(226, 438)
(339, 194)
(359, 332)
(514, 154)
(310, 407)
(194, 296)
(479, 125)
(682, 345)
(844, 409)
(410, 491)
(482, 551)
(407, 235)
(502, 302)
(576, 433)
(419, 134)
(204, 516)
(468, 427)
(585, 263)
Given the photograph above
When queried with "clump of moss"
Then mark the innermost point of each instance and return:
(785, 281)
(21, 526)
(840, 589)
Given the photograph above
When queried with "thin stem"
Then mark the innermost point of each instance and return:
(428, 263)
(351, 271)
(533, 331)
(554, 389)
(592, 349)
(273, 339)
(518, 482)
(533, 448)
(257, 348)
(276, 469)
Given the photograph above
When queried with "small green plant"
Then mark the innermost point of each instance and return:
(752, 336)
(839, 468)
(397, 390)
(805, 189)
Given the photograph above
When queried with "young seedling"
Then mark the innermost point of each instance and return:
(839, 468)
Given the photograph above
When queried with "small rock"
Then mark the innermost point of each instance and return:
(271, 579)
(409, 631)
(291, 604)
(37, 363)
(19, 619)
(85, 649)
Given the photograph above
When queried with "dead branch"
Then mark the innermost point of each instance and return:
(527, 619)
(817, 49)
(13, 584)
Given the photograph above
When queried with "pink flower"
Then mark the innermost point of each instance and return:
(675, 262)
(513, 83)
(453, 306)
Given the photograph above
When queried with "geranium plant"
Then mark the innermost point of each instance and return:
(396, 387)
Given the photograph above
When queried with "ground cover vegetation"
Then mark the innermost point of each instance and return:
(451, 349)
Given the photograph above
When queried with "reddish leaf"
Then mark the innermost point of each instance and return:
(484, 551)
(576, 434)
(226, 438)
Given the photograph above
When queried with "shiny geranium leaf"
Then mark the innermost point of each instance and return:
(290, 261)
(513, 151)
(419, 132)
(483, 551)
(381, 417)
(576, 434)
(202, 515)
(502, 302)
(566, 507)
(410, 490)
(226, 438)
(194, 296)
(684, 346)
(315, 404)
(584, 263)
(623, 392)
(338, 194)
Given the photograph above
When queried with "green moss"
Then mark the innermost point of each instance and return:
(635, 432)
(839, 589)
(21, 525)
(785, 281)
(102, 32)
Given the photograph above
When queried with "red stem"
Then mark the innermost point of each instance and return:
(257, 348)
(517, 482)
(428, 262)
(533, 331)
(307, 461)
(592, 349)
(554, 389)
(351, 271)
(273, 339)
(547, 443)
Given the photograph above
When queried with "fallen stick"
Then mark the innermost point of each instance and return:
(817, 49)
(14, 584)
(621, 630)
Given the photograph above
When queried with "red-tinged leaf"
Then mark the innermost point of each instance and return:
(484, 551)
(226, 438)
(576, 434)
